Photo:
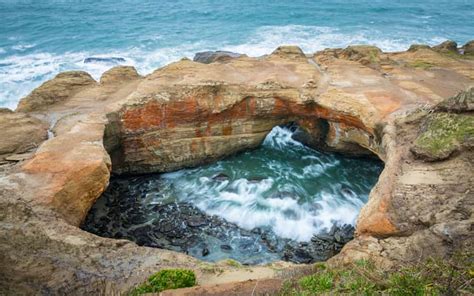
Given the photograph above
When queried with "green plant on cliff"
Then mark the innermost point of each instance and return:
(420, 64)
(454, 276)
(166, 279)
(444, 133)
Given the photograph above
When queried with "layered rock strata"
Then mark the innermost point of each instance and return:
(350, 100)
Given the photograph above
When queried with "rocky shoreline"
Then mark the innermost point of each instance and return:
(356, 100)
(182, 227)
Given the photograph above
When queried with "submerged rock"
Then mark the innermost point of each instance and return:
(221, 177)
(104, 60)
(183, 227)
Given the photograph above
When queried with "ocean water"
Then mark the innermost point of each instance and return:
(284, 185)
(39, 39)
(278, 195)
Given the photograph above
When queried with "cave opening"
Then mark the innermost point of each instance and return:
(284, 200)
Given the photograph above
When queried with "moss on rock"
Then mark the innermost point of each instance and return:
(166, 279)
(443, 134)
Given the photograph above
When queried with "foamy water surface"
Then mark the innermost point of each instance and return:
(294, 190)
(39, 39)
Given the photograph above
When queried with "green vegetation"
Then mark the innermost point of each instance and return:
(166, 279)
(420, 64)
(233, 263)
(458, 56)
(433, 277)
(443, 134)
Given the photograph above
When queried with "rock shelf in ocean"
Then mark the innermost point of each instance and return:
(358, 101)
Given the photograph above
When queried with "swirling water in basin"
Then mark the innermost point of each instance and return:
(293, 189)
(255, 207)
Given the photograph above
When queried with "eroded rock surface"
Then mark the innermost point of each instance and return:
(189, 113)
(62, 87)
(20, 133)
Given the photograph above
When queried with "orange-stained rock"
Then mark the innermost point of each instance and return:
(189, 113)
(74, 169)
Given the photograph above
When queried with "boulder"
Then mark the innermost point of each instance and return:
(364, 54)
(289, 51)
(416, 47)
(446, 47)
(444, 134)
(119, 74)
(20, 132)
(468, 48)
(207, 57)
(462, 102)
(56, 90)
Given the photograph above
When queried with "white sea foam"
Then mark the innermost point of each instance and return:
(23, 47)
(273, 202)
(20, 73)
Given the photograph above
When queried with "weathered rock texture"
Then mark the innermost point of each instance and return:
(62, 87)
(349, 100)
(20, 133)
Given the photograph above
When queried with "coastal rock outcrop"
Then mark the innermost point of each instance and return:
(447, 46)
(59, 89)
(119, 74)
(188, 113)
(20, 133)
(468, 48)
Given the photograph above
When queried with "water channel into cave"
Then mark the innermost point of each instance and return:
(281, 201)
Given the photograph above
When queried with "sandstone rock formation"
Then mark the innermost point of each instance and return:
(56, 90)
(354, 100)
(468, 48)
(20, 133)
(447, 46)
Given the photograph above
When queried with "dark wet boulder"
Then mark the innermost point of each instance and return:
(255, 180)
(226, 248)
(283, 194)
(110, 60)
(321, 247)
(196, 221)
(347, 192)
(221, 177)
(207, 57)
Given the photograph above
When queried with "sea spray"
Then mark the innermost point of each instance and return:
(258, 206)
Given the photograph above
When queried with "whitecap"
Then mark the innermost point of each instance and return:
(23, 47)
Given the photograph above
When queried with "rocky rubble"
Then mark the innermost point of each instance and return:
(121, 213)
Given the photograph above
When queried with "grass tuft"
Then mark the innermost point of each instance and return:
(166, 279)
(453, 276)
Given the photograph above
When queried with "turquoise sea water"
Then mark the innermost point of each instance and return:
(38, 39)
